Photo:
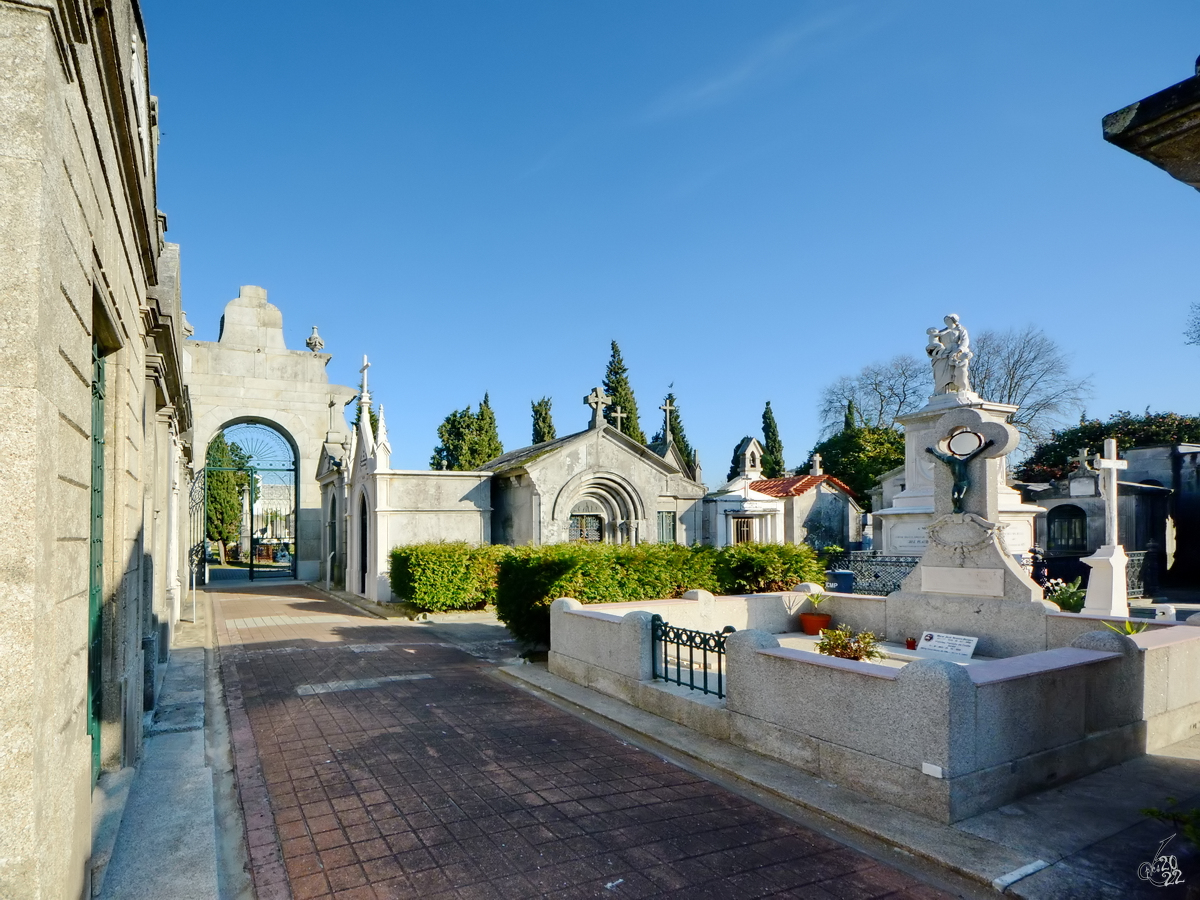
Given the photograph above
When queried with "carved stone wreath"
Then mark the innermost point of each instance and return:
(963, 533)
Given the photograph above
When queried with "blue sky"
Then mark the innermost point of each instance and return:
(751, 198)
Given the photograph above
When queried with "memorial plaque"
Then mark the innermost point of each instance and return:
(971, 582)
(950, 647)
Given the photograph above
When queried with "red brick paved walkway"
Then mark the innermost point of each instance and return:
(461, 786)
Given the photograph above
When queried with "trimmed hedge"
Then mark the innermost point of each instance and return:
(522, 582)
(446, 575)
(533, 578)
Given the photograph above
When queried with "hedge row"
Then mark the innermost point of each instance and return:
(522, 582)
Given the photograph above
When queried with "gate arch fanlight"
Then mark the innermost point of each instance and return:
(617, 498)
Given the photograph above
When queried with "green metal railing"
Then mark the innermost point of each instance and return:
(699, 654)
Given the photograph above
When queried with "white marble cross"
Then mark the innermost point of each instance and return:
(816, 465)
(618, 416)
(597, 400)
(1108, 466)
(1083, 459)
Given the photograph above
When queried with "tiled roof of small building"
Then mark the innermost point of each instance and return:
(796, 485)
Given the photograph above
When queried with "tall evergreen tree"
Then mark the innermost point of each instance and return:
(224, 485)
(616, 385)
(543, 424)
(772, 460)
(851, 420)
(358, 411)
(468, 439)
(677, 433)
(736, 462)
(486, 445)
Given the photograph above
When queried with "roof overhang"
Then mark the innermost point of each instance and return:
(1163, 129)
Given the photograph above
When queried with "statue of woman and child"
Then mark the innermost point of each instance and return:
(949, 350)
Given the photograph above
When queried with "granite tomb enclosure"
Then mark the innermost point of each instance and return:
(1047, 697)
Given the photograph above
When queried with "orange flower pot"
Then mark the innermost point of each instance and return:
(812, 623)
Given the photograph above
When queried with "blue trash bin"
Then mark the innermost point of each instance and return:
(840, 580)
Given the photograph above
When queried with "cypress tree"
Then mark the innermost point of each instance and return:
(772, 460)
(543, 424)
(223, 510)
(616, 385)
(851, 420)
(677, 433)
(486, 445)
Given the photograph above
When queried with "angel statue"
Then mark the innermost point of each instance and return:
(949, 350)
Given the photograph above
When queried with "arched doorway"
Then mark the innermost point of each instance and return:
(251, 492)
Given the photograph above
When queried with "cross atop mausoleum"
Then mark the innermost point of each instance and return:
(618, 416)
(597, 400)
(667, 409)
(816, 465)
(1083, 459)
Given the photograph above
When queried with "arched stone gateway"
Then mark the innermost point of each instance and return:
(248, 375)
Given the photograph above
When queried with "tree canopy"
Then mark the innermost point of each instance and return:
(468, 439)
(772, 460)
(858, 456)
(543, 423)
(678, 435)
(617, 386)
(1052, 459)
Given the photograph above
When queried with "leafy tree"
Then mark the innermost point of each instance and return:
(772, 460)
(616, 385)
(223, 512)
(858, 456)
(543, 424)
(468, 439)
(1052, 459)
(678, 436)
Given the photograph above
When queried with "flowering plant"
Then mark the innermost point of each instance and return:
(1069, 597)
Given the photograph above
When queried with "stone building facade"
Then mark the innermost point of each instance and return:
(95, 423)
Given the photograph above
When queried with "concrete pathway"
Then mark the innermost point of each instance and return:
(383, 760)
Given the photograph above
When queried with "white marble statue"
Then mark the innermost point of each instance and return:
(950, 353)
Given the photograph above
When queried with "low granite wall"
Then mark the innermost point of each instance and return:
(943, 740)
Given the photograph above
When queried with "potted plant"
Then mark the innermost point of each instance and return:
(845, 644)
(813, 622)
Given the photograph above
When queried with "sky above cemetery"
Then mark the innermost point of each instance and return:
(751, 198)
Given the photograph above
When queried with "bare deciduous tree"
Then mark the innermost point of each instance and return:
(881, 392)
(1192, 332)
(1025, 367)
(1021, 366)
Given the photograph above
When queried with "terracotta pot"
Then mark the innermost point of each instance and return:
(812, 623)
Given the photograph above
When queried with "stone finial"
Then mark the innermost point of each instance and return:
(381, 436)
(314, 342)
(816, 465)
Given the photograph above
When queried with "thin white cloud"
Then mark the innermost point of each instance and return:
(765, 59)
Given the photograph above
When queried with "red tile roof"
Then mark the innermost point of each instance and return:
(796, 485)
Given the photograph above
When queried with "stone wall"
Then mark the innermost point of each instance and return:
(82, 262)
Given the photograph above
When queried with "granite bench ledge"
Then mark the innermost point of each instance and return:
(834, 662)
(1013, 667)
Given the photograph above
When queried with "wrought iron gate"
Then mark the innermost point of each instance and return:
(197, 553)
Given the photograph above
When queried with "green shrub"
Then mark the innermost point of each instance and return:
(445, 575)
(531, 578)
(767, 568)
(846, 644)
(1069, 597)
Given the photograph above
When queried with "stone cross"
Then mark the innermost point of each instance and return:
(667, 409)
(366, 395)
(618, 416)
(1109, 465)
(597, 400)
(816, 465)
(1083, 459)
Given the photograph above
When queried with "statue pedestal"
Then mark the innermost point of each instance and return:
(1107, 594)
(906, 522)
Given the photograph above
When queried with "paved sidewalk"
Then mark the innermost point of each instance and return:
(379, 760)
